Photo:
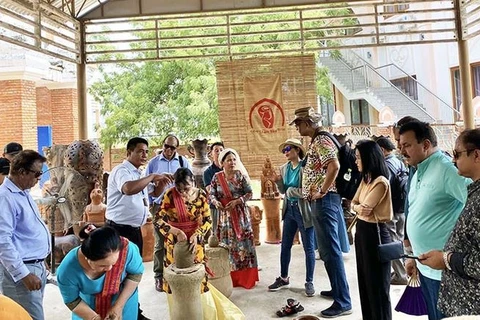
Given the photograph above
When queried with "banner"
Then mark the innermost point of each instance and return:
(265, 115)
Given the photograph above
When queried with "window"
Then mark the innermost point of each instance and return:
(407, 85)
(457, 84)
(359, 111)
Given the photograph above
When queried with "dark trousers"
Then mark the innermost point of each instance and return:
(133, 234)
(373, 275)
(430, 290)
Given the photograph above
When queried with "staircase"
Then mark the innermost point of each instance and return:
(357, 79)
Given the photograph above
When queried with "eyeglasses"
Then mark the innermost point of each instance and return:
(287, 149)
(167, 146)
(36, 173)
(456, 154)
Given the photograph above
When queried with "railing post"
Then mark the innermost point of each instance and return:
(366, 76)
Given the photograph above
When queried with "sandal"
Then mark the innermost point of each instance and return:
(290, 308)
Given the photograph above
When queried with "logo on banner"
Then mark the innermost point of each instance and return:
(266, 115)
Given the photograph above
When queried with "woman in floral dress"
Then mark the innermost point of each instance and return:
(230, 190)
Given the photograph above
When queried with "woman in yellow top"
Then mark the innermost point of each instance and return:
(184, 216)
(373, 205)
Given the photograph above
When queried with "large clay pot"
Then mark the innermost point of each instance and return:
(271, 208)
(201, 161)
(148, 241)
(218, 261)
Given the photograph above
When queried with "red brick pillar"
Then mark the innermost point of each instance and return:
(64, 115)
(18, 115)
(44, 106)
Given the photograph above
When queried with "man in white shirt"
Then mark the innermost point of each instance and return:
(127, 195)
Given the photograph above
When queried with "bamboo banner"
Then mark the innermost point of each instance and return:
(264, 112)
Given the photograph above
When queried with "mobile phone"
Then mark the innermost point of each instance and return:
(409, 256)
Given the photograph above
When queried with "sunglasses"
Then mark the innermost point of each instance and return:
(167, 146)
(456, 154)
(287, 149)
(36, 173)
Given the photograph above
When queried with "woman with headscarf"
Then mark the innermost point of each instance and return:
(230, 190)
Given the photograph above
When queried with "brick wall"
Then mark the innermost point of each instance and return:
(18, 116)
(64, 115)
(44, 106)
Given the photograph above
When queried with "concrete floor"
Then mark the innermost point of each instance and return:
(256, 303)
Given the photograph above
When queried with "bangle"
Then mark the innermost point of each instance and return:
(446, 255)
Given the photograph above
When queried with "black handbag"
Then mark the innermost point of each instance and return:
(389, 251)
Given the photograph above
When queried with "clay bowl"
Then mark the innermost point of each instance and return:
(307, 317)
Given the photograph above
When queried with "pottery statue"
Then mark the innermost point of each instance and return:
(95, 211)
(218, 262)
(184, 278)
(201, 161)
(271, 202)
(256, 215)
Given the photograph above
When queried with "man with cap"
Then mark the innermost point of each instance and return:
(318, 186)
(11, 150)
(398, 178)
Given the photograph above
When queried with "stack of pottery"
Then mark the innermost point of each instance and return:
(218, 262)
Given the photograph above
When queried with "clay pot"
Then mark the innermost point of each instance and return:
(201, 161)
(213, 241)
(183, 257)
(271, 208)
(307, 317)
(148, 241)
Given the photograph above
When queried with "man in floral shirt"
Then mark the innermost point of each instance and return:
(319, 175)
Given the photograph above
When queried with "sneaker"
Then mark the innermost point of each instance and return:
(309, 289)
(327, 294)
(278, 284)
(334, 311)
(159, 284)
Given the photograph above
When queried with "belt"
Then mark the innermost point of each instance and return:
(33, 261)
(110, 222)
(292, 203)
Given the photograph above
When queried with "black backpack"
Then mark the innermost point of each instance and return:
(398, 185)
(348, 178)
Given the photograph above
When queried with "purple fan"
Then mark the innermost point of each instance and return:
(412, 301)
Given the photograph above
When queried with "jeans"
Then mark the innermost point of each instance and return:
(292, 221)
(430, 289)
(31, 301)
(327, 216)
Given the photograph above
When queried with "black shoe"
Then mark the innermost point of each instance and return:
(278, 284)
(327, 294)
(335, 311)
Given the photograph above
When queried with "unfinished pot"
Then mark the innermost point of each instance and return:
(218, 262)
(184, 258)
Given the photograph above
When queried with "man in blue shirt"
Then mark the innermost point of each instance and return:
(168, 161)
(436, 198)
(24, 237)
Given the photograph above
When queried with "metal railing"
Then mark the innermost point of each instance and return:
(421, 95)
(371, 78)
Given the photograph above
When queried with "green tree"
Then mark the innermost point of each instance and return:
(153, 99)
